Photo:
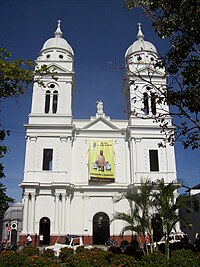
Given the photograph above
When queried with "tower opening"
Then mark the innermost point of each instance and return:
(146, 103)
(47, 102)
(55, 101)
(153, 103)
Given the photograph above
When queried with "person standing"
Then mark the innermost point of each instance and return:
(28, 240)
(41, 239)
(147, 239)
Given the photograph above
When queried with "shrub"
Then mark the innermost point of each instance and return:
(90, 258)
(122, 261)
(98, 257)
(48, 254)
(78, 260)
(11, 258)
(153, 259)
(184, 258)
(136, 253)
(115, 250)
(65, 253)
(81, 249)
(38, 261)
(30, 251)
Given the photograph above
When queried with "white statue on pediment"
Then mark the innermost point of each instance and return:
(99, 107)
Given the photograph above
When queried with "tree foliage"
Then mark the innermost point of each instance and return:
(140, 201)
(129, 219)
(167, 205)
(16, 76)
(152, 198)
(4, 200)
(179, 21)
(13, 75)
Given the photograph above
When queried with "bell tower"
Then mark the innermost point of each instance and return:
(52, 96)
(47, 171)
(144, 82)
(145, 85)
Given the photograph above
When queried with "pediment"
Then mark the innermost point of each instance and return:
(57, 68)
(144, 70)
(100, 123)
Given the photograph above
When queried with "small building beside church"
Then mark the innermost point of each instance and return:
(191, 214)
(74, 168)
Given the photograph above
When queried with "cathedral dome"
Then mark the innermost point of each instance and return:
(140, 45)
(14, 212)
(57, 42)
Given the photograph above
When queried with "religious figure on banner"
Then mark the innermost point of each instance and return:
(101, 161)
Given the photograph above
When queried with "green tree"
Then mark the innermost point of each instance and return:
(12, 77)
(152, 197)
(179, 21)
(4, 200)
(167, 205)
(140, 202)
(16, 76)
(129, 219)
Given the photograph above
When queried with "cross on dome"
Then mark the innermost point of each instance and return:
(140, 35)
(58, 32)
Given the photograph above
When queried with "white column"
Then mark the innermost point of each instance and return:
(67, 220)
(63, 213)
(25, 212)
(59, 214)
(32, 218)
(69, 160)
(137, 158)
(150, 107)
(51, 103)
(132, 161)
(56, 213)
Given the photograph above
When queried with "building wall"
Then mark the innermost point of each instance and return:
(190, 225)
(64, 193)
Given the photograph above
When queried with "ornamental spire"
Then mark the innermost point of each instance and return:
(140, 35)
(58, 32)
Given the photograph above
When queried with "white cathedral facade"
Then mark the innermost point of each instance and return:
(74, 168)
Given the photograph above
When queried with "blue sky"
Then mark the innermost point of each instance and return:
(99, 32)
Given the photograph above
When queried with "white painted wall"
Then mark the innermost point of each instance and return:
(65, 195)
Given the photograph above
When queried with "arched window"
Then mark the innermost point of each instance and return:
(146, 103)
(47, 101)
(55, 101)
(153, 103)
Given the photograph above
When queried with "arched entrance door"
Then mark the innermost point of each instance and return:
(45, 230)
(101, 228)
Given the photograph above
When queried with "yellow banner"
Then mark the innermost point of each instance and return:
(101, 160)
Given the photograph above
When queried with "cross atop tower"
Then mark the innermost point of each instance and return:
(58, 32)
(140, 35)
